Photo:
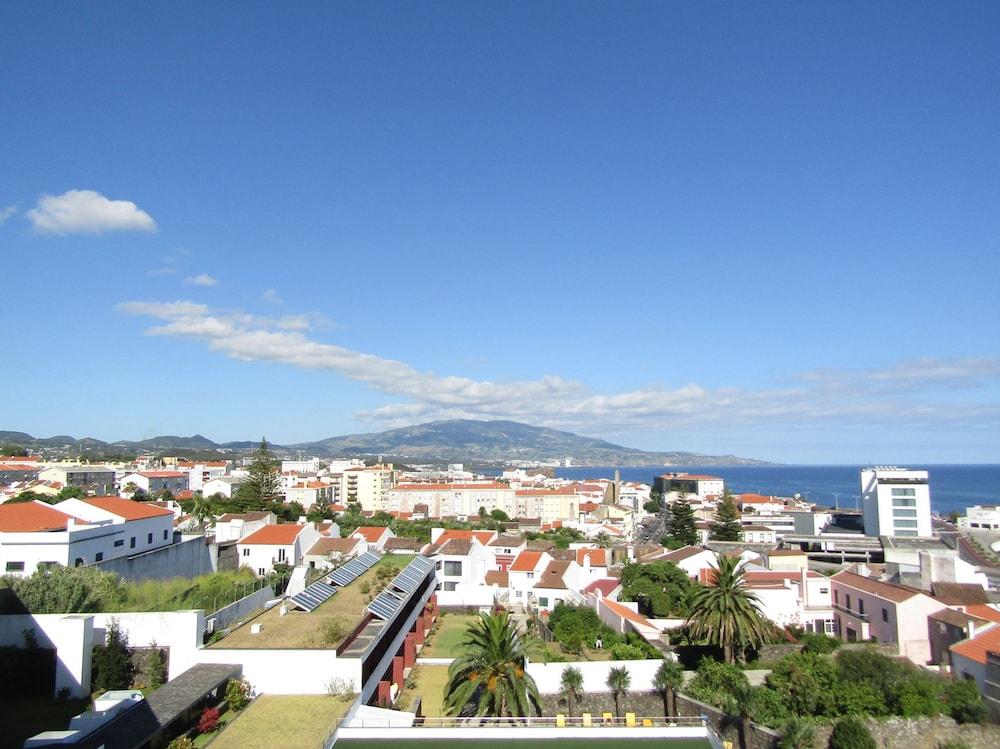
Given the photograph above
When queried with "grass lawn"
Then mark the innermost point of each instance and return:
(22, 718)
(286, 721)
(300, 629)
(431, 681)
(447, 640)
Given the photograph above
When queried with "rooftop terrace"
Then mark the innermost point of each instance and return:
(299, 629)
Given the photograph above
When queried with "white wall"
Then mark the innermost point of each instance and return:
(181, 631)
(288, 671)
(70, 634)
(595, 674)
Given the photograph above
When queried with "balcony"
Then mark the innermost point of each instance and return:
(855, 614)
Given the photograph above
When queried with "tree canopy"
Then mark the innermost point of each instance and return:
(662, 589)
(726, 524)
(682, 523)
(726, 614)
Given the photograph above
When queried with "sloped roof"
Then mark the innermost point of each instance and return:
(959, 594)
(606, 585)
(32, 517)
(890, 592)
(402, 543)
(977, 648)
(326, 546)
(552, 576)
(526, 561)
(127, 508)
(497, 577)
(507, 540)
(371, 533)
(626, 613)
(598, 557)
(456, 547)
(277, 535)
(984, 611)
(484, 537)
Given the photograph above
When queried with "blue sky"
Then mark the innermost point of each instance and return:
(766, 229)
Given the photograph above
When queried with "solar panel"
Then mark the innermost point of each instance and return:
(312, 596)
(354, 569)
(385, 605)
(408, 580)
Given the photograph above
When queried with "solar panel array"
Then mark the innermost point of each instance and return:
(354, 569)
(390, 600)
(313, 595)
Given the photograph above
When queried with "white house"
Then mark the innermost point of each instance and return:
(524, 572)
(151, 482)
(227, 486)
(326, 552)
(234, 526)
(276, 544)
(462, 559)
(144, 526)
(34, 534)
(374, 535)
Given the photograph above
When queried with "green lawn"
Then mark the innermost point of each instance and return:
(286, 721)
(447, 640)
(23, 718)
(431, 681)
(618, 743)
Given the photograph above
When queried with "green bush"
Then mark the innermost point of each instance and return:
(851, 733)
(334, 631)
(112, 663)
(965, 703)
(715, 681)
(237, 694)
(568, 620)
(818, 644)
(624, 652)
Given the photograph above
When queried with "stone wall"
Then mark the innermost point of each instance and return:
(774, 651)
(923, 733)
(651, 704)
(187, 558)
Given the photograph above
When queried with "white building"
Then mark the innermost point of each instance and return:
(97, 480)
(151, 482)
(983, 517)
(34, 534)
(144, 526)
(234, 526)
(895, 502)
(276, 544)
(453, 500)
(201, 472)
(689, 483)
(307, 465)
(227, 486)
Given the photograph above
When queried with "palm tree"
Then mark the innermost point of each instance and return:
(492, 673)
(669, 676)
(798, 733)
(571, 685)
(737, 704)
(201, 510)
(619, 680)
(726, 614)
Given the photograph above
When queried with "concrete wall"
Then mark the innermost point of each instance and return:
(70, 635)
(595, 674)
(180, 631)
(288, 671)
(241, 608)
(188, 558)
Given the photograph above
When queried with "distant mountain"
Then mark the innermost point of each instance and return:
(459, 440)
(496, 441)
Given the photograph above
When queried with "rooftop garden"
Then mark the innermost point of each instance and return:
(324, 627)
(288, 721)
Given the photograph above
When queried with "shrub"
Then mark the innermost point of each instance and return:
(209, 720)
(333, 631)
(965, 704)
(623, 652)
(156, 667)
(573, 643)
(181, 742)
(954, 744)
(342, 688)
(851, 733)
(818, 644)
(238, 693)
(567, 620)
(715, 681)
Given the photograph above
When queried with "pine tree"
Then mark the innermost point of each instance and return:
(726, 526)
(682, 528)
(264, 477)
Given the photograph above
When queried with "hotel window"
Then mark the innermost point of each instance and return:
(900, 512)
(897, 502)
(904, 523)
(904, 492)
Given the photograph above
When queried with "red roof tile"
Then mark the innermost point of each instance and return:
(276, 535)
(127, 508)
(526, 561)
(32, 517)
(598, 557)
(977, 648)
(371, 533)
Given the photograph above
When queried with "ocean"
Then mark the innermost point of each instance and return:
(953, 487)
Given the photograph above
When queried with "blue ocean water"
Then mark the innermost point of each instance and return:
(953, 487)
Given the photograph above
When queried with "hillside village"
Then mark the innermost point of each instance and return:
(362, 579)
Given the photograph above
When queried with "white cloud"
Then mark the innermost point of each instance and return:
(554, 401)
(271, 296)
(87, 212)
(202, 279)
(6, 212)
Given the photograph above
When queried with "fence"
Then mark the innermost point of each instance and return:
(241, 608)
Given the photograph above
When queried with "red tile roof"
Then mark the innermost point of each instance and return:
(984, 612)
(371, 533)
(888, 591)
(32, 517)
(275, 535)
(977, 648)
(162, 474)
(526, 561)
(606, 585)
(626, 613)
(127, 508)
(484, 537)
(598, 557)
(449, 487)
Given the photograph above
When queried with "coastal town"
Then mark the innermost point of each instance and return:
(361, 583)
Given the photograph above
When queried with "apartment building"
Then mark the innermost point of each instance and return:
(34, 535)
(144, 526)
(453, 500)
(96, 480)
(151, 482)
(699, 485)
(895, 502)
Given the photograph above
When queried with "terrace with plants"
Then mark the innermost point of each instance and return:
(325, 627)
